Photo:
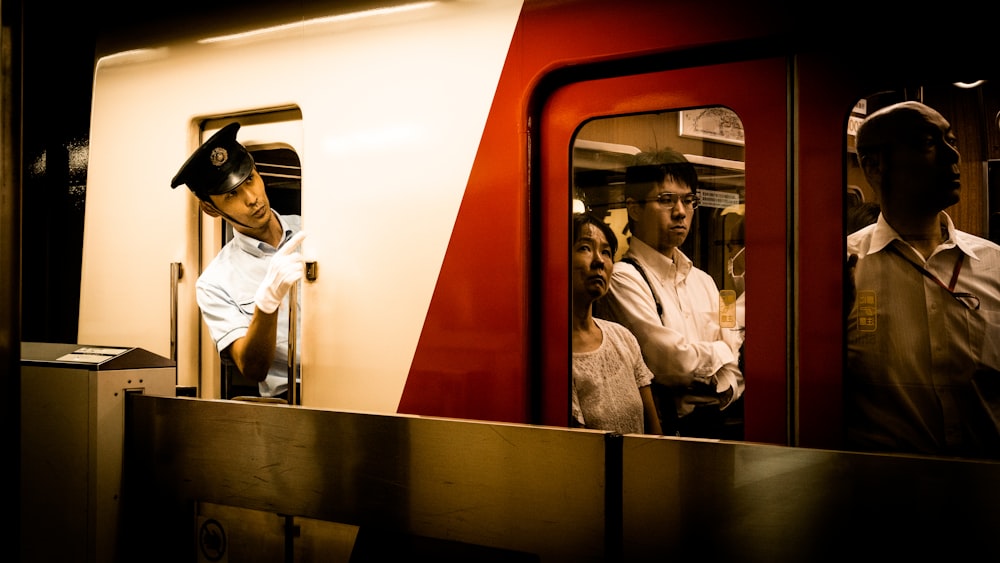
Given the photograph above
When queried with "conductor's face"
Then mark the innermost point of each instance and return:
(247, 204)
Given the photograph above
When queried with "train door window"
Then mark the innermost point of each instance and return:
(730, 121)
(607, 155)
(274, 141)
(920, 299)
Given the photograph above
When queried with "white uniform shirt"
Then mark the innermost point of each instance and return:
(225, 293)
(912, 348)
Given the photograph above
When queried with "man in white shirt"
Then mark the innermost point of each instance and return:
(670, 305)
(923, 334)
(243, 291)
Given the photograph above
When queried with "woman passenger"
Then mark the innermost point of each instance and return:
(610, 379)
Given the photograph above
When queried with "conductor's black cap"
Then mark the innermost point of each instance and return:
(218, 166)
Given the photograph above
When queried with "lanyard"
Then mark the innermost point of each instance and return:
(968, 300)
(954, 274)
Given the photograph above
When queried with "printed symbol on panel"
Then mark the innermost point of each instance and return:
(212, 540)
(867, 311)
(727, 308)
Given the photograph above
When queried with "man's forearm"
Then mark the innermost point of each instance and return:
(254, 353)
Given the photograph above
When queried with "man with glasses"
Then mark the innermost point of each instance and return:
(923, 300)
(672, 306)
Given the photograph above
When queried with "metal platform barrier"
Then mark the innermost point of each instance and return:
(229, 481)
(442, 487)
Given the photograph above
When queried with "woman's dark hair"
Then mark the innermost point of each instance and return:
(581, 219)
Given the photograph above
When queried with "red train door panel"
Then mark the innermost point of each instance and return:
(757, 93)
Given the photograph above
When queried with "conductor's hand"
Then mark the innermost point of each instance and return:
(286, 268)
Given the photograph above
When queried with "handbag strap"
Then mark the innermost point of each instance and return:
(642, 272)
(663, 396)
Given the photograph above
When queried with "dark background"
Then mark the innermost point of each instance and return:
(54, 49)
(51, 60)
(57, 54)
(52, 55)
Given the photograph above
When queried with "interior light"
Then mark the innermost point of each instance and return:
(317, 21)
(967, 85)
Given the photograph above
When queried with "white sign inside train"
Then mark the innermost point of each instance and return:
(712, 198)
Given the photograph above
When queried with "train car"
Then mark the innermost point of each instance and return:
(436, 149)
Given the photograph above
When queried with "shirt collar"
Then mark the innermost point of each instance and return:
(259, 248)
(666, 268)
(883, 234)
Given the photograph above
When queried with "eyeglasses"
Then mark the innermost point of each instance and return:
(970, 301)
(669, 199)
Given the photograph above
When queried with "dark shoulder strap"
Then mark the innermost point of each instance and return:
(642, 272)
(663, 396)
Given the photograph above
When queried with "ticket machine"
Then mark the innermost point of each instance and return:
(72, 429)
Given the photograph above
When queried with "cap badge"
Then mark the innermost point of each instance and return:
(219, 156)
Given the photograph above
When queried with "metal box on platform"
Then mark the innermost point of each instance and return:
(72, 429)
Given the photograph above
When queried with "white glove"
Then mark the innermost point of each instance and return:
(286, 268)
